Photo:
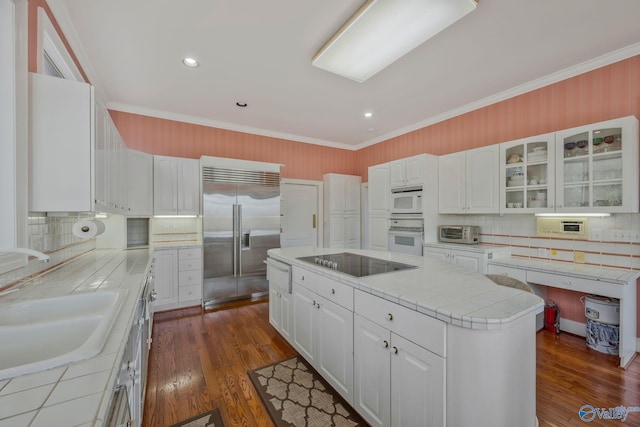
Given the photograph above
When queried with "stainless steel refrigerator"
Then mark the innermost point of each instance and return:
(241, 221)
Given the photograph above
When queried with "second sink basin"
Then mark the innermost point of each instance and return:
(45, 333)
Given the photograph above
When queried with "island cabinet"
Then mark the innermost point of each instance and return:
(280, 298)
(323, 328)
(399, 364)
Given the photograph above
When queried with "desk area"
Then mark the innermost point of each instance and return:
(605, 281)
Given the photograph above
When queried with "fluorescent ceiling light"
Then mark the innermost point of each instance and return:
(382, 31)
(574, 214)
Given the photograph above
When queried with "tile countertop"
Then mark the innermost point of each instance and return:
(618, 276)
(76, 394)
(438, 289)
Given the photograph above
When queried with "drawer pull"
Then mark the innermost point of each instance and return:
(395, 350)
(389, 316)
(385, 344)
(333, 291)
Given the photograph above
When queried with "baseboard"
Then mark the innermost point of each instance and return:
(573, 327)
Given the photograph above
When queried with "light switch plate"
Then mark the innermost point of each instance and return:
(578, 257)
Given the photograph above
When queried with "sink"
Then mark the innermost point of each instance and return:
(41, 334)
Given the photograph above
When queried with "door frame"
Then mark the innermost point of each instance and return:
(320, 203)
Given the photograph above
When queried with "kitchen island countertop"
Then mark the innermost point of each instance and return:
(445, 291)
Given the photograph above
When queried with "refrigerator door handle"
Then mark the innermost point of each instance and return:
(240, 238)
(235, 240)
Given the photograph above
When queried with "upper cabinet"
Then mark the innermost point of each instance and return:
(176, 186)
(468, 181)
(140, 177)
(527, 174)
(342, 194)
(61, 150)
(379, 190)
(407, 172)
(597, 167)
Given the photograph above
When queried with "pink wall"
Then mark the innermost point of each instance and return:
(602, 94)
(608, 92)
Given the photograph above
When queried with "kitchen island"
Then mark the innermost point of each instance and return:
(434, 345)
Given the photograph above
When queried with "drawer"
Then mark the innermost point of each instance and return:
(191, 253)
(190, 277)
(515, 273)
(336, 292)
(575, 284)
(190, 264)
(423, 330)
(308, 279)
(190, 293)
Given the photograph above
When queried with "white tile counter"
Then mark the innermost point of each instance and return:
(606, 281)
(76, 394)
(445, 291)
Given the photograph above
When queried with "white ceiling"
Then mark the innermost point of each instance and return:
(259, 52)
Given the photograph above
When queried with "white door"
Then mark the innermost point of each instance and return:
(299, 215)
(417, 384)
(372, 373)
(335, 346)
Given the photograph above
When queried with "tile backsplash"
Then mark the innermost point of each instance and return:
(52, 235)
(519, 233)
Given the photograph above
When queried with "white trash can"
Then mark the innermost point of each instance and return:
(603, 323)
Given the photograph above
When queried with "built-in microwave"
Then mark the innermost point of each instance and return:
(406, 201)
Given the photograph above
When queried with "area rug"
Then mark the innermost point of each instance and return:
(296, 395)
(208, 419)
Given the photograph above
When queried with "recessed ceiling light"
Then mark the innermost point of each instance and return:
(241, 104)
(190, 62)
(368, 114)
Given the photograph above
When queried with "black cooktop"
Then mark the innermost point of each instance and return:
(356, 265)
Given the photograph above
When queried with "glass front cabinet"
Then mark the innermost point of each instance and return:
(527, 174)
(597, 167)
(592, 168)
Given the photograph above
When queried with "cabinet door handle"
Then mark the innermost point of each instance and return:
(314, 303)
(385, 344)
(318, 306)
(395, 350)
(389, 316)
(333, 291)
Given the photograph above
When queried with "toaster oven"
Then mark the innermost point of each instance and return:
(465, 234)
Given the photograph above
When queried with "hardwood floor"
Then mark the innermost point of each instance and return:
(199, 360)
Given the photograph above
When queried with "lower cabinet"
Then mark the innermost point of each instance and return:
(472, 261)
(323, 334)
(178, 277)
(397, 383)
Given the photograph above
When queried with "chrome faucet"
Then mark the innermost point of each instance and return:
(41, 256)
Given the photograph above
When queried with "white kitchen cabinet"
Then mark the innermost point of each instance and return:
(61, 150)
(379, 191)
(101, 173)
(342, 211)
(190, 276)
(140, 189)
(397, 382)
(473, 257)
(527, 174)
(323, 328)
(178, 278)
(280, 300)
(468, 181)
(407, 172)
(176, 186)
(597, 167)
(166, 277)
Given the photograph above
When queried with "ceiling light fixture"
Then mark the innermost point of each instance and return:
(368, 114)
(382, 31)
(190, 62)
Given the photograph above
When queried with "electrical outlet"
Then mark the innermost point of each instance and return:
(578, 257)
(554, 252)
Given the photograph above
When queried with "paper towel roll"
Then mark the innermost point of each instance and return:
(88, 228)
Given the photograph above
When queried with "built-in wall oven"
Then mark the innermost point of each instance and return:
(406, 235)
